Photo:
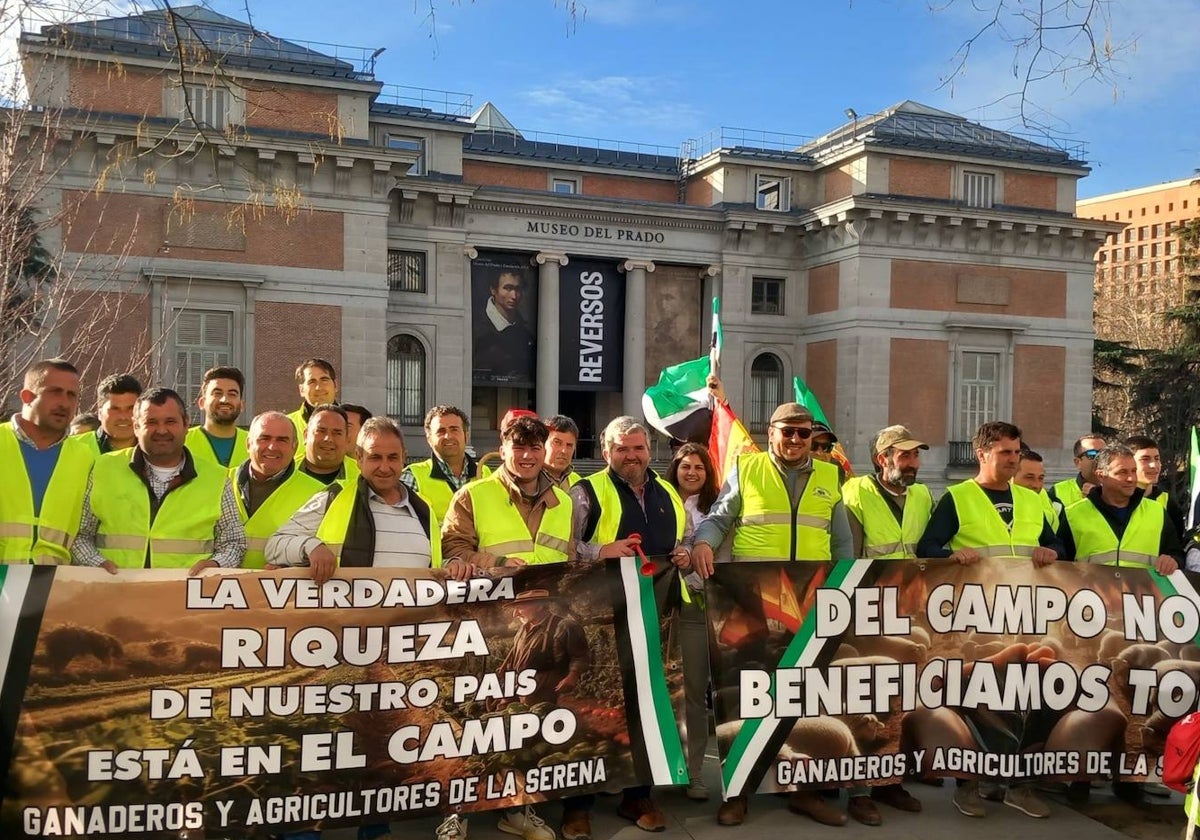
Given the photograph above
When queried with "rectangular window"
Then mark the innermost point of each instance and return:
(566, 186)
(1155, 230)
(978, 391)
(773, 193)
(203, 339)
(406, 271)
(766, 296)
(409, 144)
(979, 189)
(1128, 234)
(1142, 231)
(207, 107)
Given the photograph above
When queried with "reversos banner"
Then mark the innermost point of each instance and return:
(147, 703)
(865, 671)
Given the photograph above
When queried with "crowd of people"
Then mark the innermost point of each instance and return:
(329, 485)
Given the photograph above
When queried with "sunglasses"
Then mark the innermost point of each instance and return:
(790, 432)
(1090, 453)
(822, 447)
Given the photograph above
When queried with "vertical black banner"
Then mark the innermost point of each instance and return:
(504, 324)
(591, 326)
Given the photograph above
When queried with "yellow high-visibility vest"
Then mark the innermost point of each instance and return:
(279, 507)
(981, 528)
(502, 531)
(201, 448)
(336, 522)
(1095, 541)
(182, 532)
(883, 537)
(437, 491)
(768, 528)
(609, 523)
(1067, 492)
(1051, 510)
(44, 539)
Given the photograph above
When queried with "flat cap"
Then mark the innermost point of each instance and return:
(791, 413)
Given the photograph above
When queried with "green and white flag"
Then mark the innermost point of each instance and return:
(680, 405)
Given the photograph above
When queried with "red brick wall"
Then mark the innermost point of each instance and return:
(927, 179)
(1039, 373)
(103, 333)
(823, 284)
(106, 87)
(138, 225)
(838, 184)
(505, 175)
(643, 189)
(1023, 189)
(918, 387)
(699, 192)
(919, 284)
(286, 334)
(293, 109)
(821, 375)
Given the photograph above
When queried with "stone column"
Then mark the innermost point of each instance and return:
(634, 371)
(547, 379)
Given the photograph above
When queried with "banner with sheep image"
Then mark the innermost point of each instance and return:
(832, 674)
(148, 704)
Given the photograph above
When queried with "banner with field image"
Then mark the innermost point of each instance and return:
(864, 672)
(147, 704)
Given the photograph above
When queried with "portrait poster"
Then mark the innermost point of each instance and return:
(504, 320)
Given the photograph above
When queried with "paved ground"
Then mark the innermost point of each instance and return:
(1161, 819)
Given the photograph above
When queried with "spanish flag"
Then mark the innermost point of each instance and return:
(728, 440)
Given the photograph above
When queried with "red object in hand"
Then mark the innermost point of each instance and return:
(648, 567)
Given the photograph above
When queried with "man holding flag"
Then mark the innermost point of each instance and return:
(782, 505)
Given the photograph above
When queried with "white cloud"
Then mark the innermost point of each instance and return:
(632, 104)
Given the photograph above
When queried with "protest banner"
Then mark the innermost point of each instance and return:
(862, 672)
(150, 704)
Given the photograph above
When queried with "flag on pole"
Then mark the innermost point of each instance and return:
(680, 405)
(808, 399)
(728, 440)
(1193, 479)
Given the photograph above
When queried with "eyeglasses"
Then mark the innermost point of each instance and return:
(790, 432)
(1090, 454)
(822, 447)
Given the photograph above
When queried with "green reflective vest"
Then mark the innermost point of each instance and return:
(883, 537)
(181, 533)
(333, 527)
(437, 491)
(1095, 541)
(44, 539)
(609, 523)
(981, 528)
(284, 501)
(201, 447)
(503, 533)
(769, 528)
(1067, 492)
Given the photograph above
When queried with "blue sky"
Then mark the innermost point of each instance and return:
(661, 71)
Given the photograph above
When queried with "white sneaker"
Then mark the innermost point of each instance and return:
(526, 824)
(1026, 800)
(453, 827)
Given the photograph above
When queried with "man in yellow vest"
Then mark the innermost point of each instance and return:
(317, 382)
(888, 511)
(268, 486)
(115, 398)
(560, 451)
(514, 517)
(1149, 470)
(1071, 490)
(989, 516)
(616, 510)
(218, 438)
(328, 454)
(45, 471)
(1031, 474)
(1115, 524)
(782, 504)
(155, 506)
(450, 467)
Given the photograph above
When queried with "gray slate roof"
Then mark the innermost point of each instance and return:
(503, 143)
(233, 42)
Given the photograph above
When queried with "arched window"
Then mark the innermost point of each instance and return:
(766, 390)
(406, 380)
